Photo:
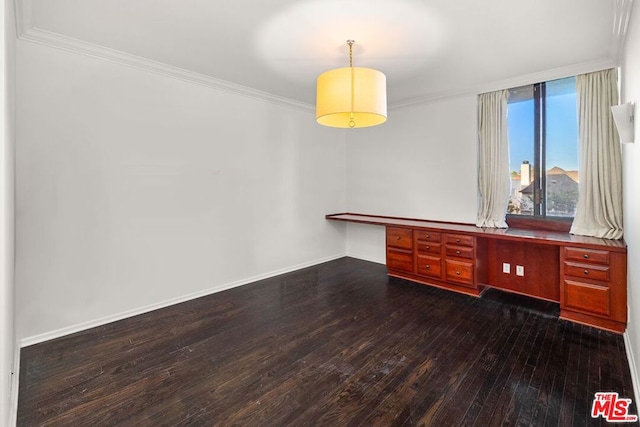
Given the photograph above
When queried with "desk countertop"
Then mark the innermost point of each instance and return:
(514, 234)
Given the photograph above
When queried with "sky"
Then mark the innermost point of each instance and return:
(562, 128)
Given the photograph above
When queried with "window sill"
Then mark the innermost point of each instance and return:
(530, 223)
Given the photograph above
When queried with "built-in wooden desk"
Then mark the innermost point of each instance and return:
(586, 275)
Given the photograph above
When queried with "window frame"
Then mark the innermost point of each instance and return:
(539, 220)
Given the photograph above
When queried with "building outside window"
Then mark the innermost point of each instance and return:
(543, 150)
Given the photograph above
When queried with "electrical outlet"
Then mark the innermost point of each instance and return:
(506, 267)
(519, 270)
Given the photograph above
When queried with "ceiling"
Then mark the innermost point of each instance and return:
(277, 48)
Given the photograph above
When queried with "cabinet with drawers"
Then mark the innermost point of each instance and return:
(400, 249)
(440, 259)
(593, 287)
(460, 260)
(587, 275)
(428, 253)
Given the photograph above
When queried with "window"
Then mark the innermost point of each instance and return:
(543, 150)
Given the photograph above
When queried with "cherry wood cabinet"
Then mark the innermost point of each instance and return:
(587, 276)
(594, 286)
(428, 251)
(431, 257)
(400, 249)
(460, 260)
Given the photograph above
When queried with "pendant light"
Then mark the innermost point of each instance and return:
(351, 97)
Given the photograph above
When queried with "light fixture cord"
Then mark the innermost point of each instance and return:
(352, 122)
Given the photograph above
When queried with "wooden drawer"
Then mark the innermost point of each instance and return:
(587, 271)
(428, 247)
(458, 239)
(587, 297)
(429, 266)
(586, 255)
(459, 252)
(429, 236)
(400, 237)
(460, 272)
(401, 260)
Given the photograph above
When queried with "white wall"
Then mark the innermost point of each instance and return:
(135, 189)
(422, 163)
(631, 184)
(7, 115)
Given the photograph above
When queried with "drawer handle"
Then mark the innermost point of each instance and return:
(457, 240)
(457, 252)
(457, 273)
(586, 272)
(427, 266)
(427, 247)
(427, 236)
(586, 256)
(398, 238)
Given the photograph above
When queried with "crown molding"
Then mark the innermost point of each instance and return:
(541, 76)
(621, 15)
(23, 16)
(27, 32)
(620, 25)
(58, 41)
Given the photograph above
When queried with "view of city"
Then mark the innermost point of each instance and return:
(562, 191)
(560, 146)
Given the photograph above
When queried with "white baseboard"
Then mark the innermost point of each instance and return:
(632, 366)
(15, 386)
(365, 258)
(36, 339)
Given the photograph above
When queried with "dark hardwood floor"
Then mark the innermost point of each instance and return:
(335, 344)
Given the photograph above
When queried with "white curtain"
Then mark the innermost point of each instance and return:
(493, 167)
(599, 211)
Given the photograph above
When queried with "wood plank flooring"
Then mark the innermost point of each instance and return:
(335, 344)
